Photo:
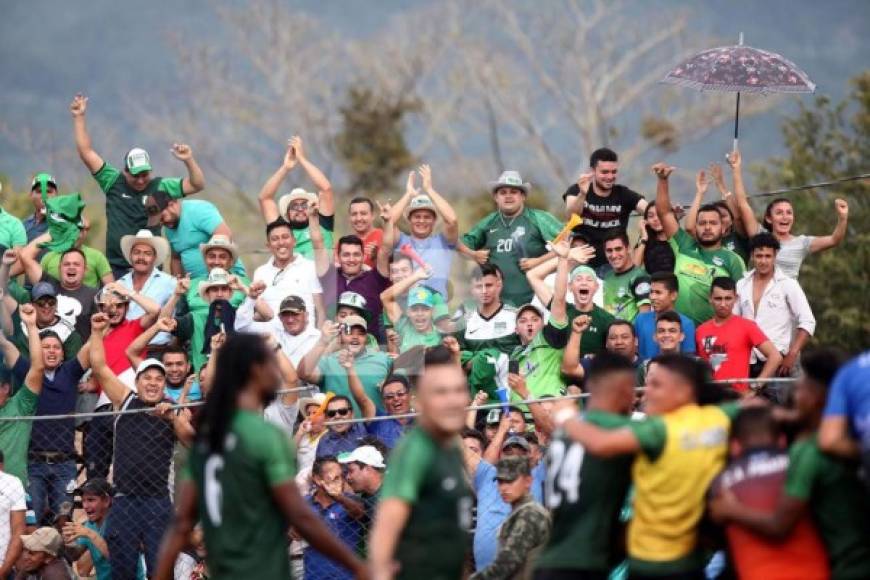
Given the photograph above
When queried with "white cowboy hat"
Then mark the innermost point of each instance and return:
(510, 179)
(217, 277)
(159, 243)
(297, 193)
(224, 243)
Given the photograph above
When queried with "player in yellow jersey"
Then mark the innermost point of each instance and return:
(680, 447)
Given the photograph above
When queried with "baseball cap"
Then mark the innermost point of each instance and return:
(518, 440)
(137, 161)
(352, 299)
(530, 306)
(366, 454)
(493, 417)
(41, 290)
(40, 177)
(583, 269)
(149, 363)
(421, 296)
(43, 539)
(293, 304)
(154, 204)
(512, 468)
(96, 486)
(354, 320)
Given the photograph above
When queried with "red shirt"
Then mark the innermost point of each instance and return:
(117, 341)
(375, 238)
(728, 347)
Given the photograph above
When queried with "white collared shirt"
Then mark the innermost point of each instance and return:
(782, 310)
(298, 278)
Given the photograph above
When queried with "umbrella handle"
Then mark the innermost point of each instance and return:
(736, 121)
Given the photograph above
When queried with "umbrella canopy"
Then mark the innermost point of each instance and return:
(741, 69)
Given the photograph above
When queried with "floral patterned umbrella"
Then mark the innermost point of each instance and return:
(740, 69)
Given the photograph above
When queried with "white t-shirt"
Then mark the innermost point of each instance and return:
(792, 253)
(11, 500)
(298, 278)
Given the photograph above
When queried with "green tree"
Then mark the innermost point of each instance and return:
(371, 144)
(826, 141)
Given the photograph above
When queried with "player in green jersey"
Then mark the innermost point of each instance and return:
(587, 492)
(421, 525)
(239, 480)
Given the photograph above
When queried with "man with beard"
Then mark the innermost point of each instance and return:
(188, 225)
(127, 190)
(604, 205)
(365, 475)
(295, 206)
(369, 365)
(513, 237)
(75, 300)
(146, 253)
(422, 212)
(424, 514)
(698, 259)
(142, 506)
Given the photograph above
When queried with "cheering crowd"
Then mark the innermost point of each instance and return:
(634, 324)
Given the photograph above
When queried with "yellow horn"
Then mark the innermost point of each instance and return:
(573, 222)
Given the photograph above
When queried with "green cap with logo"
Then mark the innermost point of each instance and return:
(512, 468)
(137, 161)
(421, 296)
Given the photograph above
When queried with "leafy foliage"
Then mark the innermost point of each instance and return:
(827, 141)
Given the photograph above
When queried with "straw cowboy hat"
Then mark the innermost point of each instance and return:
(224, 243)
(217, 277)
(159, 243)
(294, 195)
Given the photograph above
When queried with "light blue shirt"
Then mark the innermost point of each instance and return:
(194, 394)
(645, 328)
(492, 510)
(437, 252)
(196, 224)
(159, 287)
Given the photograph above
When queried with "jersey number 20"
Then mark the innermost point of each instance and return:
(563, 474)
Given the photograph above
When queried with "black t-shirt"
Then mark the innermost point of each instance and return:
(143, 451)
(602, 215)
(75, 306)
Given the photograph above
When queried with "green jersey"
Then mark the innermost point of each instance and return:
(695, 268)
(244, 528)
(305, 247)
(411, 337)
(839, 504)
(15, 435)
(586, 494)
(540, 361)
(737, 244)
(125, 208)
(509, 240)
(594, 337)
(431, 479)
(625, 293)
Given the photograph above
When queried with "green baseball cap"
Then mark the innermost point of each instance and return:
(137, 161)
(40, 178)
(421, 296)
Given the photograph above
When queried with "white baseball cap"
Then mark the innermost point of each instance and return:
(365, 454)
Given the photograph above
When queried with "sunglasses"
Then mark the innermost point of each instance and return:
(333, 412)
(298, 206)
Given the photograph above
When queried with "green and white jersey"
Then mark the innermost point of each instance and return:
(125, 208)
(244, 528)
(511, 239)
(625, 293)
(586, 494)
(541, 361)
(431, 479)
(497, 331)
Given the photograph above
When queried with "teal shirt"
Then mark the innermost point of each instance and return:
(197, 223)
(372, 367)
(11, 230)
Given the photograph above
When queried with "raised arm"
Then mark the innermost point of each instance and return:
(822, 243)
(701, 184)
(670, 225)
(80, 131)
(151, 308)
(536, 277)
(266, 197)
(345, 359)
(112, 386)
(558, 307)
(182, 286)
(398, 208)
(140, 343)
(195, 180)
(307, 369)
(597, 441)
(400, 288)
(571, 355)
(747, 216)
(9, 350)
(325, 196)
(322, 256)
(451, 222)
(493, 450)
(34, 378)
(728, 197)
(575, 203)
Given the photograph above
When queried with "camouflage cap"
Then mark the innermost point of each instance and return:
(512, 468)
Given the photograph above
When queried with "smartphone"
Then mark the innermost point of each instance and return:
(514, 367)
(344, 328)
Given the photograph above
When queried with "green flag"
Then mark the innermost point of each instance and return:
(64, 215)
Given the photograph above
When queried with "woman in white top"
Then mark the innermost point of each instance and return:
(779, 219)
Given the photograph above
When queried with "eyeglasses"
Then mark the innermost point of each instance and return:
(391, 396)
(333, 412)
(299, 206)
